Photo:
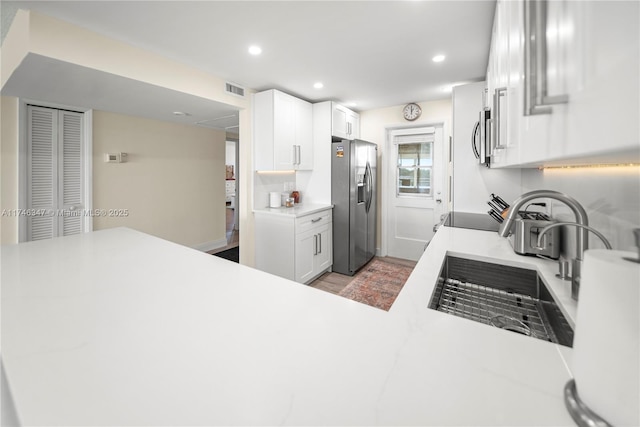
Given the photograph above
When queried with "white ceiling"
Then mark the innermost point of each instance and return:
(371, 53)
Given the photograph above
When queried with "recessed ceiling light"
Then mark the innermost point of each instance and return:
(180, 113)
(353, 104)
(438, 58)
(318, 85)
(255, 50)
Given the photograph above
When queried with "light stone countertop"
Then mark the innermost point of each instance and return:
(296, 211)
(117, 327)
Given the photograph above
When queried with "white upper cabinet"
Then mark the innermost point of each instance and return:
(344, 122)
(282, 132)
(563, 78)
(502, 93)
(604, 92)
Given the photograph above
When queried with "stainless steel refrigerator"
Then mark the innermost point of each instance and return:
(353, 194)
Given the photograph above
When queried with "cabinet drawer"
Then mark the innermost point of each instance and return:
(308, 222)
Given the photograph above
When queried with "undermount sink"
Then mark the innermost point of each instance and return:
(510, 298)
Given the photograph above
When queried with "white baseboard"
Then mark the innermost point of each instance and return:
(209, 246)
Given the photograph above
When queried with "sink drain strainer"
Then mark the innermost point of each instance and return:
(510, 324)
(505, 310)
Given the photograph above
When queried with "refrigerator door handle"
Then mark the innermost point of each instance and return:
(369, 183)
(370, 188)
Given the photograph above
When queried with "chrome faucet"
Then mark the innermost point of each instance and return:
(582, 234)
(577, 264)
(575, 224)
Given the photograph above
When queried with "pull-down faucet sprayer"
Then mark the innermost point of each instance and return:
(582, 234)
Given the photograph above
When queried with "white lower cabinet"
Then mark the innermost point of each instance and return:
(313, 253)
(298, 248)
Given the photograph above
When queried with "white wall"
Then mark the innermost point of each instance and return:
(266, 182)
(374, 125)
(34, 33)
(611, 197)
(230, 153)
(9, 167)
(172, 182)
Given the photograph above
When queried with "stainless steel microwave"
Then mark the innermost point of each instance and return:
(481, 138)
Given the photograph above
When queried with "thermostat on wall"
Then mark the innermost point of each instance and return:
(115, 157)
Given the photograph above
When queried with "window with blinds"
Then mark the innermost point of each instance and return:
(415, 164)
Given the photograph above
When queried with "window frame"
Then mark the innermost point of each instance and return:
(416, 168)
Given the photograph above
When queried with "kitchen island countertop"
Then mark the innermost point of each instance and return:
(117, 327)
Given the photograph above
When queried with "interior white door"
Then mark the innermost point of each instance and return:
(414, 199)
(55, 184)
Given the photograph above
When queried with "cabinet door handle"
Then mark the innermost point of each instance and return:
(497, 117)
(315, 244)
(295, 155)
(317, 219)
(536, 98)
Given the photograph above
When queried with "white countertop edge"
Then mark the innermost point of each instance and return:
(296, 211)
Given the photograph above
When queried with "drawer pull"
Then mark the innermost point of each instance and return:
(317, 219)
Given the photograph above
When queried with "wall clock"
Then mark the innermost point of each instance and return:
(411, 111)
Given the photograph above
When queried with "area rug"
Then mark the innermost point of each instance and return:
(232, 254)
(377, 284)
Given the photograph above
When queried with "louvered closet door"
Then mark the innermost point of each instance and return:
(55, 181)
(70, 172)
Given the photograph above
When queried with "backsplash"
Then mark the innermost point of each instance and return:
(610, 195)
(266, 182)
